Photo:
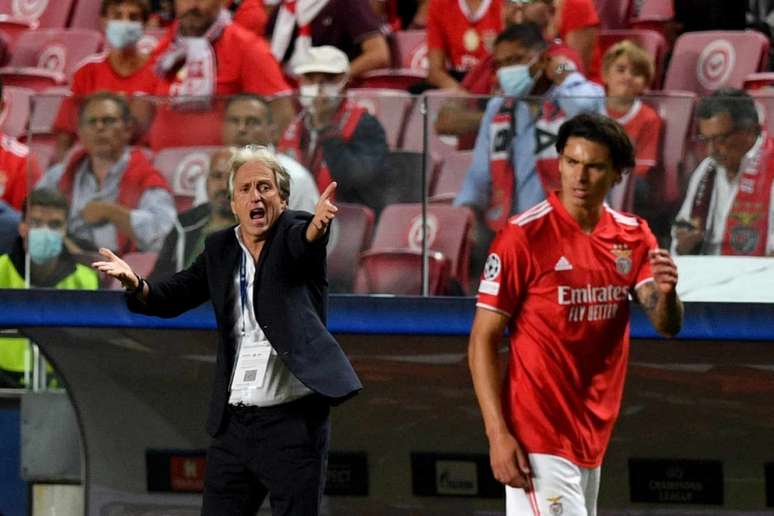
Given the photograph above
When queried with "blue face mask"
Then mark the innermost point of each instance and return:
(515, 80)
(44, 244)
(123, 34)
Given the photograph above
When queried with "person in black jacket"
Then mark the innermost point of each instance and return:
(278, 368)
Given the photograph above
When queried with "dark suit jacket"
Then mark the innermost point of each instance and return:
(290, 293)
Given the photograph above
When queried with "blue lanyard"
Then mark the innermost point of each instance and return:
(243, 288)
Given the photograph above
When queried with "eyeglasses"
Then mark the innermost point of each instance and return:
(106, 121)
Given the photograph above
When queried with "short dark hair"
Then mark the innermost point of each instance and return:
(46, 198)
(737, 103)
(239, 97)
(123, 105)
(527, 35)
(144, 6)
(603, 130)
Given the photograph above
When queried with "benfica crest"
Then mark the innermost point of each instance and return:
(623, 260)
(556, 507)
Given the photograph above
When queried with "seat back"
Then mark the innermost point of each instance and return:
(451, 175)
(355, 225)
(141, 262)
(613, 14)
(55, 50)
(45, 107)
(651, 41)
(388, 106)
(86, 14)
(411, 49)
(47, 13)
(704, 61)
(16, 111)
(399, 272)
(764, 103)
(185, 169)
(447, 230)
(676, 110)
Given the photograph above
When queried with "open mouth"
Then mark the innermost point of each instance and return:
(257, 214)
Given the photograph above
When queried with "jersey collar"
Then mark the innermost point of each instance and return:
(602, 227)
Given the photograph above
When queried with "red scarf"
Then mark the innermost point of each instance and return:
(747, 226)
(138, 177)
(296, 142)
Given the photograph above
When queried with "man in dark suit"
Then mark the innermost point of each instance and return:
(278, 368)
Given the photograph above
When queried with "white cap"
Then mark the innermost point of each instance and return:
(325, 59)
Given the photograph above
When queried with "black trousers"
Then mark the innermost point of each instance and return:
(280, 451)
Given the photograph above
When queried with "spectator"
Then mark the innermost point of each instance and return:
(349, 25)
(626, 72)
(200, 221)
(122, 69)
(728, 206)
(334, 138)
(250, 14)
(248, 121)
(117, 199)
(575, 22)
(204, 54)
(460, 33)
(511, 172)
(17, 168)
(9, 226)
(41, 234)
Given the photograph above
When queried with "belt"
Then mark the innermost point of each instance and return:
(243, 410)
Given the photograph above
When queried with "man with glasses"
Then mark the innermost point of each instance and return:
(727, 208)
(117, 199)
(41, 236)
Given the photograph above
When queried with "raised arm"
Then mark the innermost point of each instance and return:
(324, 213)
(509, 463)
(659, 297)
(116, 268)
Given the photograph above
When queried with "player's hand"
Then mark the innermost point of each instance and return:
(115, 267)
(688, 236)
(509, 462)
(664, 270)
(324, 213)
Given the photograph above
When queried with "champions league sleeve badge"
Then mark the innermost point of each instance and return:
(623, 260)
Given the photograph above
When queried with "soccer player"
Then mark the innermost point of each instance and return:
(559, 276)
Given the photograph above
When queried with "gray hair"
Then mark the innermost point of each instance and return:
(264, 156)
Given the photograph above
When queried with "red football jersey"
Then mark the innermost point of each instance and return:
(464, 37)
(96, 74)
(643, 126)
(18, 171)
(567, 295)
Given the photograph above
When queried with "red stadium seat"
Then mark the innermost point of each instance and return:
(450, 177)
(387, 105)
(354, 227)
(186, 126)
(756, 81)
(43, 151)
(399, 272)
(613, 14)
(447, 231)
(653, 15)
(409, 49)
(764, 102)
(141, 262)
(185, 169)
(651, 41)
(17, 17)
(16, 111)
(704, 61)
(86, 14)
(676, 110)
(48, 57)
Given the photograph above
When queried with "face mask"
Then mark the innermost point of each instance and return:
(44, 244)
(308, 92)
(123, 34)
(515, 80)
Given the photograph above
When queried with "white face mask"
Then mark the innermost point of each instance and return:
(515, 80)
(309, 91)
(123, 34)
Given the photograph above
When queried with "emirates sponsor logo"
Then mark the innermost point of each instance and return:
(592, 303)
